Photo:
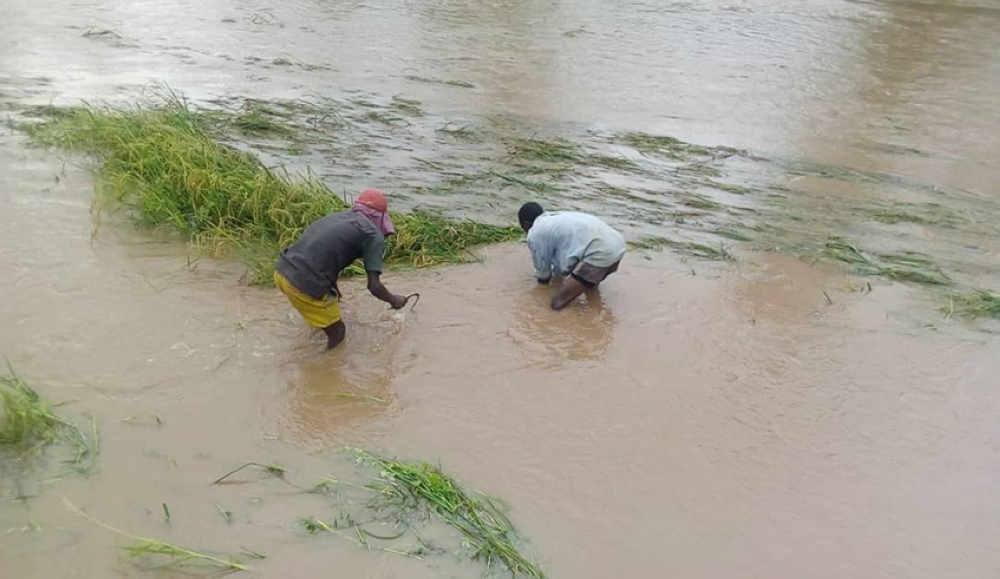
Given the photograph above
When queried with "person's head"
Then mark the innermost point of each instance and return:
(528, 213)
(374, 205)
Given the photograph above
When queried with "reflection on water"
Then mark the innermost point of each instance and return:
(581, 332)
(332, 392)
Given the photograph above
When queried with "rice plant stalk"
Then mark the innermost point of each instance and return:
(148, 546)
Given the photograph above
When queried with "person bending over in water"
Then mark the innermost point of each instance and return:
(307, 270)
(576, 246)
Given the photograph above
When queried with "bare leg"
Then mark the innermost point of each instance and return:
(570, 290)
(335, 333)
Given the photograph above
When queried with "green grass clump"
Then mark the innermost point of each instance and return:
(978, 303)
(731, 233)
(664, 146)
(161, 163)
(449, 82)
(467, 132)
(612, 162)
(25, 420)
(920, 214)
(537, 186)
(700, 250)
(700, 202)
(484, 526)
(258, 120)
(551, 151)
(908, 266)
(28, 424)
(177, 556)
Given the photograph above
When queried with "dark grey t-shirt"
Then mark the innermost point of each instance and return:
(330, 244)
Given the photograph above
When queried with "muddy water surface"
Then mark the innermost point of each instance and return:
(692, 419)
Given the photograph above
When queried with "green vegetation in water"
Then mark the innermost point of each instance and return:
(27, 424)
(384, 118)
(484, 526)
(272, 469)
(555, 154)
(258, 120)
(728, 187)
(160, 163)
(549, 151)
(537, 186)
(408, 106)
(611, 162)
(458, 83)
(700, 202)
(178, 556)
(731, 233)
(977, 303)
(664, 146)
(907, 266)
(466, 132)
(920, 214)
(720, 253)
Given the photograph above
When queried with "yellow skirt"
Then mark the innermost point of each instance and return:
(316, 313)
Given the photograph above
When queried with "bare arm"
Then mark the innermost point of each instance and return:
(378, 290)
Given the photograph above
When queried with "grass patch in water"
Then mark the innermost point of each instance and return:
(977, 303)
(728, 187)
(28, 424)
(159, 163)
(731, 233)
(537, 186)
(256, 120)
(621, 193)
(25, 420)
(549, 151)
(908, 266)
(408, 106)
(700, 250)
(178, 556)
(449, 82)
(663, 146)
(483, 525)
(384, 118)
(700, 202)
(611, 162)
(466, 132)
(558, 151)
(920, 214)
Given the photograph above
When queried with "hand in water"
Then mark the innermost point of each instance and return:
(397, 302)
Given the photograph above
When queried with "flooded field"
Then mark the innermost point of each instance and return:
(791, 375)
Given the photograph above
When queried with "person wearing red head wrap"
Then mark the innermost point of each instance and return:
(307, 270)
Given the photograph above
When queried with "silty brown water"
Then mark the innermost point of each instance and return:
(694, 419)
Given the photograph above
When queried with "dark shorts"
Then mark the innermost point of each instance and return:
(590, 275)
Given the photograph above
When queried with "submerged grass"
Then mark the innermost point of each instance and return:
(449, 82)
(700, 250)
(550, 151)
(664, 146)
(27, 424)
(978, 303)
(484, 526)
(537, 186)
(161, 164)
(26, 420)
(908, 266)
(920, 214)
(154, 547)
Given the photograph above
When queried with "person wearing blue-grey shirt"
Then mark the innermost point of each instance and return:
(580, 248)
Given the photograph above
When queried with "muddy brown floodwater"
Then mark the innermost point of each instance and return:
(756, 418)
